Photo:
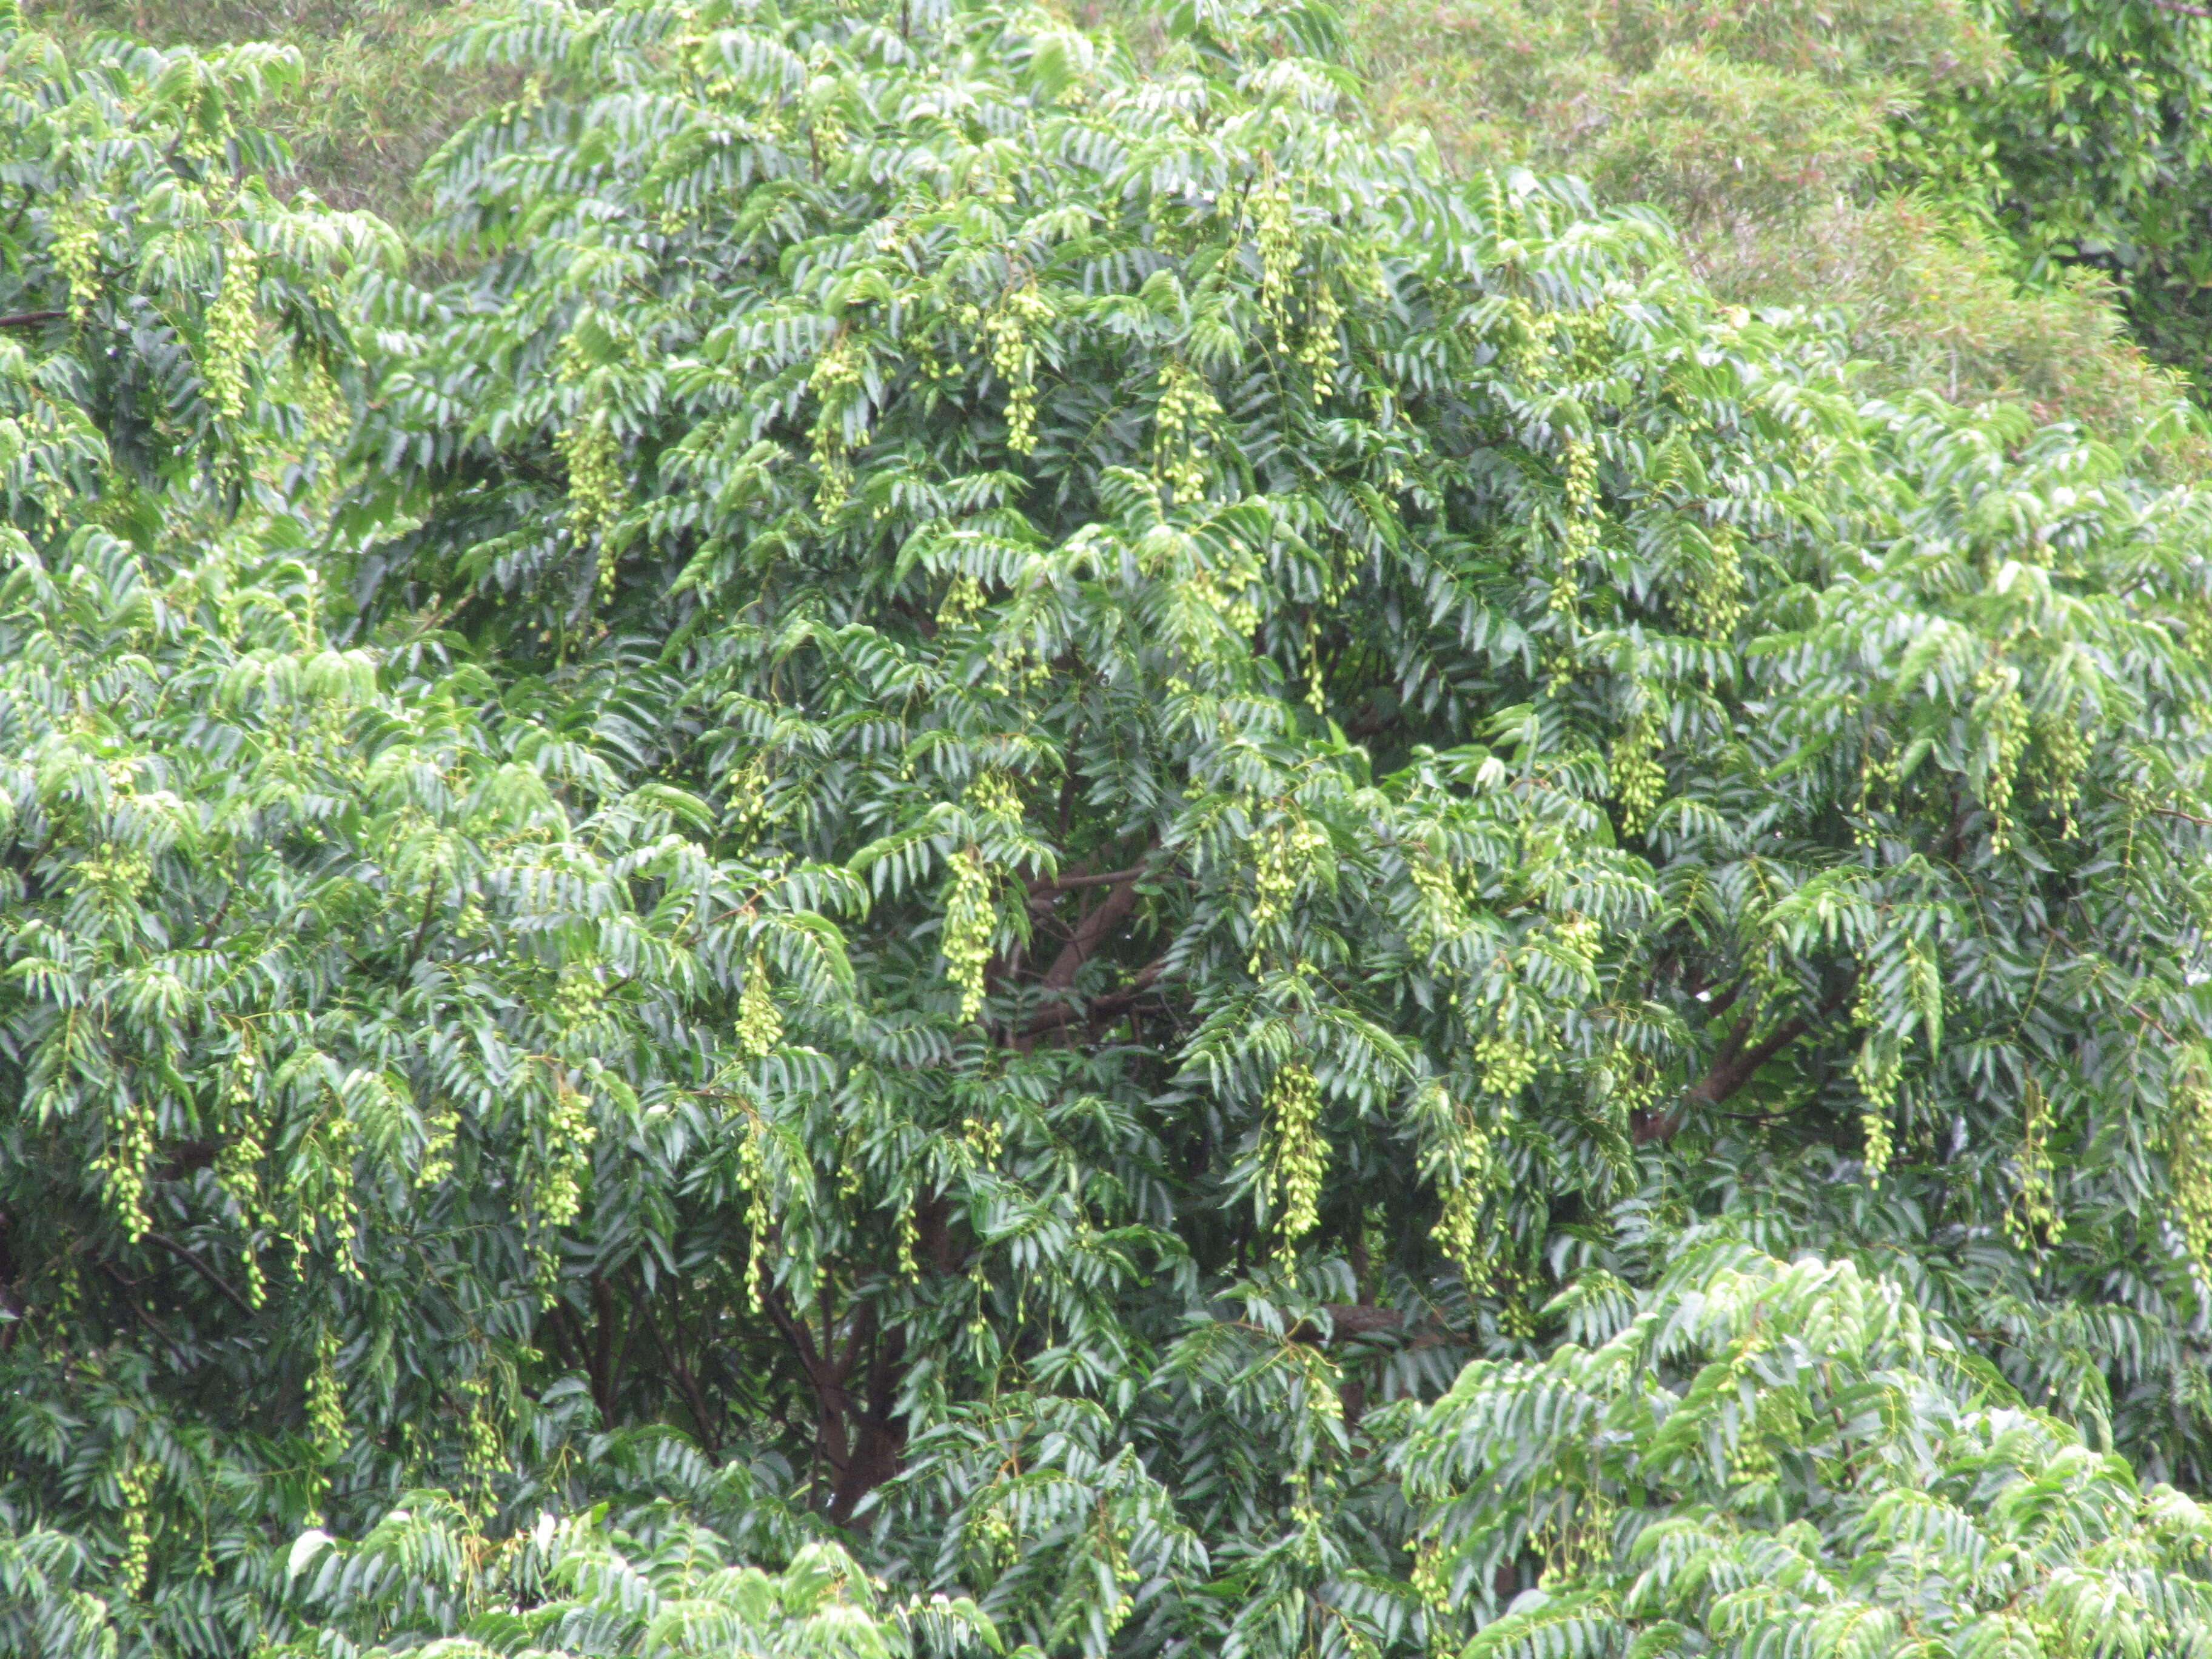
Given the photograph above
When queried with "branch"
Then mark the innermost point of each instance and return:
(1042, 893)
(422, 932)
(1734, 1066)
(2182, 9)
(26, 319)
(1092, 932)
(1098, 1008)
(2169, 811)
(710, 1439)
(1354, 1319)
(144, 1318)
(205, 1272)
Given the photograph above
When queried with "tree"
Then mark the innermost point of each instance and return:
(1761, 1454)
(2091, 149)
(1001, 788)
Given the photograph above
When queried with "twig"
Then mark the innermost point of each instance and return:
(26, 319)
(2169, 811)
(201, 1268)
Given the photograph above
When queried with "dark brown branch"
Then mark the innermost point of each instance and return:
(191, 1260)
(831, 1399)
(695, 1401)
(1043, 892)
(1092, 933)
(603, 1350)
(880, 1441)
(1736, 1065)
(1098, 1007)
(1726, 1000)
(1354, 1319)
(423, 930)
(27, 319)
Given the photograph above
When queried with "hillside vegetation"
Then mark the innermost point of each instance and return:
(933, 828)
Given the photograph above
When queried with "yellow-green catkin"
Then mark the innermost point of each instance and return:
(1285, 851)
(1714, 595)
(1638, 779)
(1009, 335)
(2032, 1219)
(231, 335)
(970, 924)
(2189, 1138)
(589, 450)
(1470, 1167)
(121, 1165)
(752, 1180)
(836, 380)
(483, 1455)
(1877, 1068)
(238, 1163)
(1579, 477)
(1186, 412)
(440, 1125)
(1443, 912)
(327, 1419)
(1298, 1153)
(2005, 719)
(75, 250)
(1275, 226)
(760, 1026)
(2062, 743)
(135, 1482)
(558, 1194)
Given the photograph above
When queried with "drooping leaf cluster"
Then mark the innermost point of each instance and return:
(986, 799)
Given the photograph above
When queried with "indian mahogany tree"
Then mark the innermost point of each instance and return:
(875, 899)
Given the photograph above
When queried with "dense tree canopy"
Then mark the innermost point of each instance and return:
(870, 886)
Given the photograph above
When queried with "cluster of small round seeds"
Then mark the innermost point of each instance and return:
(326, 1395)
(1580, 480)
(135, 1482)
(1507, 1066)
(1300, 1154)
(1186, 412)
(231, 335)
(2190, 1154)
(760, 1027)
(970, 924)
(1285, 851)
(74, 249)
(1638, 779)
(1009, 333)
(2033, 1219)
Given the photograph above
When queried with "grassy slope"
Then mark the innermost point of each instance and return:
(1767, 130)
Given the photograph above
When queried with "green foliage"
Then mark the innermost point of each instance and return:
(1752, 1455)
(986, 798)
(662, 1586)
(2093, 147)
